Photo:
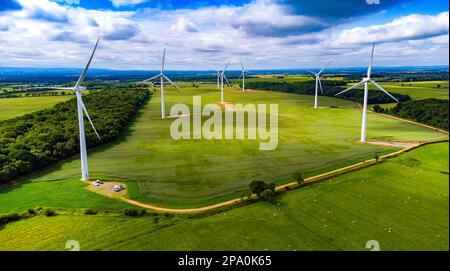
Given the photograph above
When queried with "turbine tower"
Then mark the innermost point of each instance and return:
(218, 79)
(78, 89)
(318, 83)
(366, 82)
(243, 76)
(162, 78)
(222, 78)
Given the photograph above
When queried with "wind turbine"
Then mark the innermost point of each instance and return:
(366, 82)
(162, 77)
(318, 83)
(218, 78)
(78, 89)
(222, 77)
(243, 76)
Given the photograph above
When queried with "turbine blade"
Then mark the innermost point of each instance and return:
(329, 63)
(226, 79)
(313, 73)
(242, 65)
(163, 61)
(382, 89)
(80, 80)
(226, 66)
(242, 74)
(54, 88)
(320, 85)
(369, 70)
(152, 78)
(87, 115)
(350, 88)
(170, 81)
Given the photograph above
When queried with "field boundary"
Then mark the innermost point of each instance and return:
(413, 122)
(284, 187)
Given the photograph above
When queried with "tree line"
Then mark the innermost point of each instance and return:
(39, 139)
(330, 88)
(432, 111)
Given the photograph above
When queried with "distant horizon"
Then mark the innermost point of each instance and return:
(304, 69)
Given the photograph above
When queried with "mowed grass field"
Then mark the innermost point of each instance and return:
(416, 90)
(403, 203)
(14, 107)
(192, 173)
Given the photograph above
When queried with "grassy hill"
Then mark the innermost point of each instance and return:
(189, 173)
(403, 203)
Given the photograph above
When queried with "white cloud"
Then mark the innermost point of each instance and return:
(121, 3)
(263, 34)
(184, 25)
(411, 27)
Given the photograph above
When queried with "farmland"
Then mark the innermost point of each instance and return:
(186, 173)
(14, 107)
(402, 203)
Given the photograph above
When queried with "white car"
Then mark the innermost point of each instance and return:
(97, 183)
(118, 187)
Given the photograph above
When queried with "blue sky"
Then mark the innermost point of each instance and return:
(265, 34)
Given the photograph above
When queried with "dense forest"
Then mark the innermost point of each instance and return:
(433, 112)
(330, 88)
(36, 140)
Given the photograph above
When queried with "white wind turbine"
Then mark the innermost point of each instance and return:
(318, 83)
(78, 89)
(243, 76)
(218, 78)
(223, 77)
(366, 82)
(162, 77)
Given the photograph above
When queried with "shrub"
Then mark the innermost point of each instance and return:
(11, 217)
(298, 177)
(155, 219)
(257, 187)
(267, 194)
(49, 212)
(376, 157)
(90, 212)
(378, 108)
(31, 211)
(131, 212)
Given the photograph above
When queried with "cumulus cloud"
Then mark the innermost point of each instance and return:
(265, 33)
(44, 10)
(184, 25)
(121, 3)
(411, 27)
(263, 18)
(121, 32)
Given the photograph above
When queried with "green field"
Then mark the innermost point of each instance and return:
(416, 90)
(403, 203)
(188, 173)
(14, 107)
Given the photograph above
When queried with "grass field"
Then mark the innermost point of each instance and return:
(190, 173)
(403, 203)
(416, 90)
(13, 107)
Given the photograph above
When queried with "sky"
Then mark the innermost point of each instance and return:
(203, 34)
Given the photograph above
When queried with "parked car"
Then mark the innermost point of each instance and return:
(97, 183)
(118, 187)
